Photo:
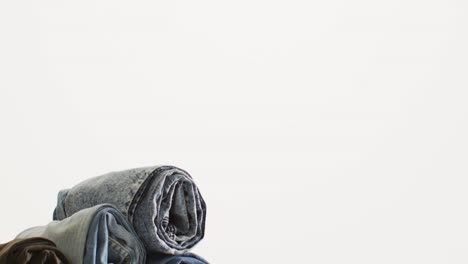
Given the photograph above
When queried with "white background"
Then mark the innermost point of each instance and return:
(317, 131)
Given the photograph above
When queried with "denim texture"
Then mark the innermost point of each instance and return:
(96, 235)
(186, 258)
(162, 203)
(34, 250)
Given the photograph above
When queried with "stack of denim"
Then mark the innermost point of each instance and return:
(145, 215)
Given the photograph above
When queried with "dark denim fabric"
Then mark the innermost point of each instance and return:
(187, 258)
(34, 250)
(96, 235)
(162, 202)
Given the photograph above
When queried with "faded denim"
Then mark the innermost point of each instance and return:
(162, 202)
(96, 235)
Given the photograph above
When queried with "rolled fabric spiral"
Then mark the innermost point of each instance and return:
(163, 204)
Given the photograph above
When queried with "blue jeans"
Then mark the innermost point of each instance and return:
(96, 235)
(162, 203)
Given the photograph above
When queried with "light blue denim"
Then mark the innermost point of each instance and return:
(96, 235)
(162, 203)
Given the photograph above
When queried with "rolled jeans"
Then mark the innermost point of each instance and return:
(96, 235)
(162, 203)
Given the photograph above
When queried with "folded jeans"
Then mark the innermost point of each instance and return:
(162, 203)
(96, 235)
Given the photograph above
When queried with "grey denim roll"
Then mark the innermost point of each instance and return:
(96, 235)
(162, 202)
